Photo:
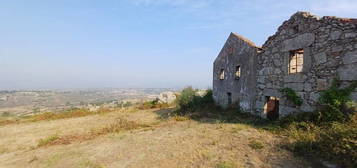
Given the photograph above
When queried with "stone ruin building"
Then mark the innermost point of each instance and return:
(305, 54)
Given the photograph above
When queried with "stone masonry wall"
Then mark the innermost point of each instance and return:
(237, 51)
(330, 51)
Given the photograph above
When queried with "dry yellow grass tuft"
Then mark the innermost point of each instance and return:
(66, 114)
(7, 122)
(120, 124)
(180, 118)
(48, 140)
(71, 113)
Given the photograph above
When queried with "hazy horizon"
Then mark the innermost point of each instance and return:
(75, 44)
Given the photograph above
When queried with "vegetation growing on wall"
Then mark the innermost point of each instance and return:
(334, 102)
(331, 132)
(292, 96)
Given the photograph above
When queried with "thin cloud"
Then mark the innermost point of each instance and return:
(187, 3)
(346, 8)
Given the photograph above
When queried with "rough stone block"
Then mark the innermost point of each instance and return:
(320, 58)
(348, 72)
(321, 84)
(245, 105)
(335, 35)
(259, 105)
(350, 57)
(295, 86)
(314, 96)
(307, 86)
(301, 41)
(294, 78)
(306, 107)
(336, 48)
(261, 79)
(286, 110)
(277, 62)
(272, 92)
(261, 86)
(350, 35)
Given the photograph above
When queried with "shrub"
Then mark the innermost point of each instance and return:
(330, 140)
(153, 104)
(292, 96)
(188, 101)
(119, 125)
(338, 141)
(331, 131)
(334, 102)
(297, 117)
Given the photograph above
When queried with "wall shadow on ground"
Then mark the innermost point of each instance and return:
(215, 115)
(235, 116)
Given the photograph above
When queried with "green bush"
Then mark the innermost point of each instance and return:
(292, 96)
(331, 131)
(333, 141)
(188, 101)
(153, 104)
(338, 141)
(334, 102)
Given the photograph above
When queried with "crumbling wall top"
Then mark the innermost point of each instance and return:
(249, 42)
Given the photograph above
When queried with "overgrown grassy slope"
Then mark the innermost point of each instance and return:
(141, 138)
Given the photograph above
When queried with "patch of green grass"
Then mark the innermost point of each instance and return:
(226, 164)
(90, 164)
(254, 144)
(152, 105)
(6, 114)
(180, 118)
(3, 149)
(53, 160)
(239, 127)
(47, 140)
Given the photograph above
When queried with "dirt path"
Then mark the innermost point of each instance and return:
(170, 143)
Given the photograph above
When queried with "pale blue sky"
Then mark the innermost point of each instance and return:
(47, 44)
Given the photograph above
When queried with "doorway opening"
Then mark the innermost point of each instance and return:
(229, 96)
(272, 108)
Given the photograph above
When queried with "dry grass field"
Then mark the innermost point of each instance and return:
(141, 138)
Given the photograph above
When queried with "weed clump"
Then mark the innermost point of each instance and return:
(331, 131)
(226, 164)
(119, 125)
(75, 112)
(334, 102)
(254, 144)
(48, 140)
(153, 104)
